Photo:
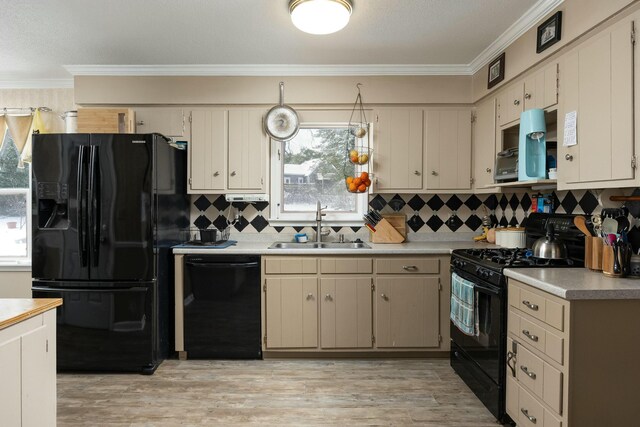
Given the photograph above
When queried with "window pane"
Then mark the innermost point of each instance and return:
(13, 225)
(11, 176)
(315, 167)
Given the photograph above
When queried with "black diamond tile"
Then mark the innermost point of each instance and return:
(278, 229)
(415, 223)
(221, 203)
(473, 202)
(240, 205)
(336, 229)
(378, 202)
(569, 202)
(514, 202)
(491, 202)
(396, 203)
(503, 221)
(525, 202)
(202, 203)
(588, 203)
(503, 202)
(513, 222)
(259, 223)
(634, 238)
(260, 206)
(555, 202)
(416, 203)
(202, 222)
(435, 203)
(473, 222)
(241, 224)
(454, 222)
(220, 222)
(434, 222)
(524, 220)
(454, 203)
(494, 220)
(356, 229)
(298, 229)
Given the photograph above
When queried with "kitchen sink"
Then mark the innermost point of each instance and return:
(323, 245)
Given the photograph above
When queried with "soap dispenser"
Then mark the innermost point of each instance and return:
(532, 148)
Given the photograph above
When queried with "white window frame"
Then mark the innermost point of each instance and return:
(26, 259)
(280, 217)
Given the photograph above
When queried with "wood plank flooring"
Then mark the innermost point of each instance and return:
(398, 392)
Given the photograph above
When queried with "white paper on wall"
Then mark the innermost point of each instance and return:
(570, 134)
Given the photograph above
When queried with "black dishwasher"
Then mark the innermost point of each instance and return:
(222, 307)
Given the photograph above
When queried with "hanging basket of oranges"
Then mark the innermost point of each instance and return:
(360, 155)
(359, 183)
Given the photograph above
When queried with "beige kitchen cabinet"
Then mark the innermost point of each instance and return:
(563, 369)
(597, 83)
(510, 103)
(291, 312)
(247, 150)
(169, 122)
(448, 149)
(207, 151)
(484, 148)
(106, 120)
(398, 150)
(541, 88)
(345, 312)
(28, 372)
(407, 311)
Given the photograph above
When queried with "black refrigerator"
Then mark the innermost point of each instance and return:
(106, 209)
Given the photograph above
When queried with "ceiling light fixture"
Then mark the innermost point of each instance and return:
(320, 16)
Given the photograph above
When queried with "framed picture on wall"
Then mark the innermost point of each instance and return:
(496, 71)
(549, 32)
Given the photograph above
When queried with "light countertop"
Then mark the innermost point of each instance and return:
(577, 283)
(15, 310)
(408, 248)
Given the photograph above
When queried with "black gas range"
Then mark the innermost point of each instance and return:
(479, 357)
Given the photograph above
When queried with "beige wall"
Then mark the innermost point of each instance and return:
(15, 284)
(59, 100)
(101, 90)
(578, 17)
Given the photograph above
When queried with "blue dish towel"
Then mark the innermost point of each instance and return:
(463, 313)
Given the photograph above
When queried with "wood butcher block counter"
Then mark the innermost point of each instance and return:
(14, 310)
(28, 361)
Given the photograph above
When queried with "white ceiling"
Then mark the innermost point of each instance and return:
(38, 38)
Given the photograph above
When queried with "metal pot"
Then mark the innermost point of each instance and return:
(549, 247)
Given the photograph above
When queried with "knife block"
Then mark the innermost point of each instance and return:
(388, 233)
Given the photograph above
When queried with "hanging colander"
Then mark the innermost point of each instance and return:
(281, 122)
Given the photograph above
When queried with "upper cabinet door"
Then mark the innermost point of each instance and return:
(398, 149)
(541, 88)
(207, 150)
(599, 80)
(448, 142)
(166, 121)
(510, 103)
(247, 150)
(484, 145)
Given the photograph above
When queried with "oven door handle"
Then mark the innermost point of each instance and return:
(486, 290)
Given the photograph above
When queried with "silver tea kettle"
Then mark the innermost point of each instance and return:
(548, 247)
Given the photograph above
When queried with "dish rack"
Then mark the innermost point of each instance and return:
(202, 235)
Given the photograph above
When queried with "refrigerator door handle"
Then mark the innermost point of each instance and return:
(94, 199)
(81, 206)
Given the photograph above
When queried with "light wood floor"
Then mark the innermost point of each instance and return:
(274, 393)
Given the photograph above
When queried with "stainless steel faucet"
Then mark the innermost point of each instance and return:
(319, 216)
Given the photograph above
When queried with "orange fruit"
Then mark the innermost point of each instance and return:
(354, 159)
(364, 175)
(353, 187)
(362, 188)
(357, 181)
(367, 182)
(349, 180)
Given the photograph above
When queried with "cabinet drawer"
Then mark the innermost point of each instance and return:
(539, 377)
(532, 413)
(536, 304)
(408, 266)
(535, 336)
(290, 265)
(346, 265)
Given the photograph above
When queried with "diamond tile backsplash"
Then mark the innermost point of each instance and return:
(426, 213)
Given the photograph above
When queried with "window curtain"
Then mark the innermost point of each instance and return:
(19, 126)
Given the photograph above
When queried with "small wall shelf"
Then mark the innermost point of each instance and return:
(534, 184)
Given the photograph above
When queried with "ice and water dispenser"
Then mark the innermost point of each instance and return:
(53, 205)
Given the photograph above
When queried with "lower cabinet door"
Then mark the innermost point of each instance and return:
(38, 379)
(10, 385)
(345, 310)
(291, 312)
(407, 312)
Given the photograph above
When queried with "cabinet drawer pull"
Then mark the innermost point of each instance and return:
(384, 297)
(531, 418)
(533, 338)
(309, 296)
(530, 374)
(533, 307)
(410, 267)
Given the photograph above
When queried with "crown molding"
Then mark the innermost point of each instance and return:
(269, 70)
(37, 84)
(521, 26)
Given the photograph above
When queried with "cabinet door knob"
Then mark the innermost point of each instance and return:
(384, 297)
(516, 102)
(328, 297)
(216, 173)
(416, 173)
(140, 123)
(568, 157)
(233, 173)
(488, 170)
(434, 173)
(527, 96)
(309, 296)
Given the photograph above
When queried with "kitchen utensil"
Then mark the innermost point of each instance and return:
(623, 224)
(609, 226)
(617, 270)
(632, 202)
(281, 122)
(581, 223)
(548, 247)
(608, 261)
